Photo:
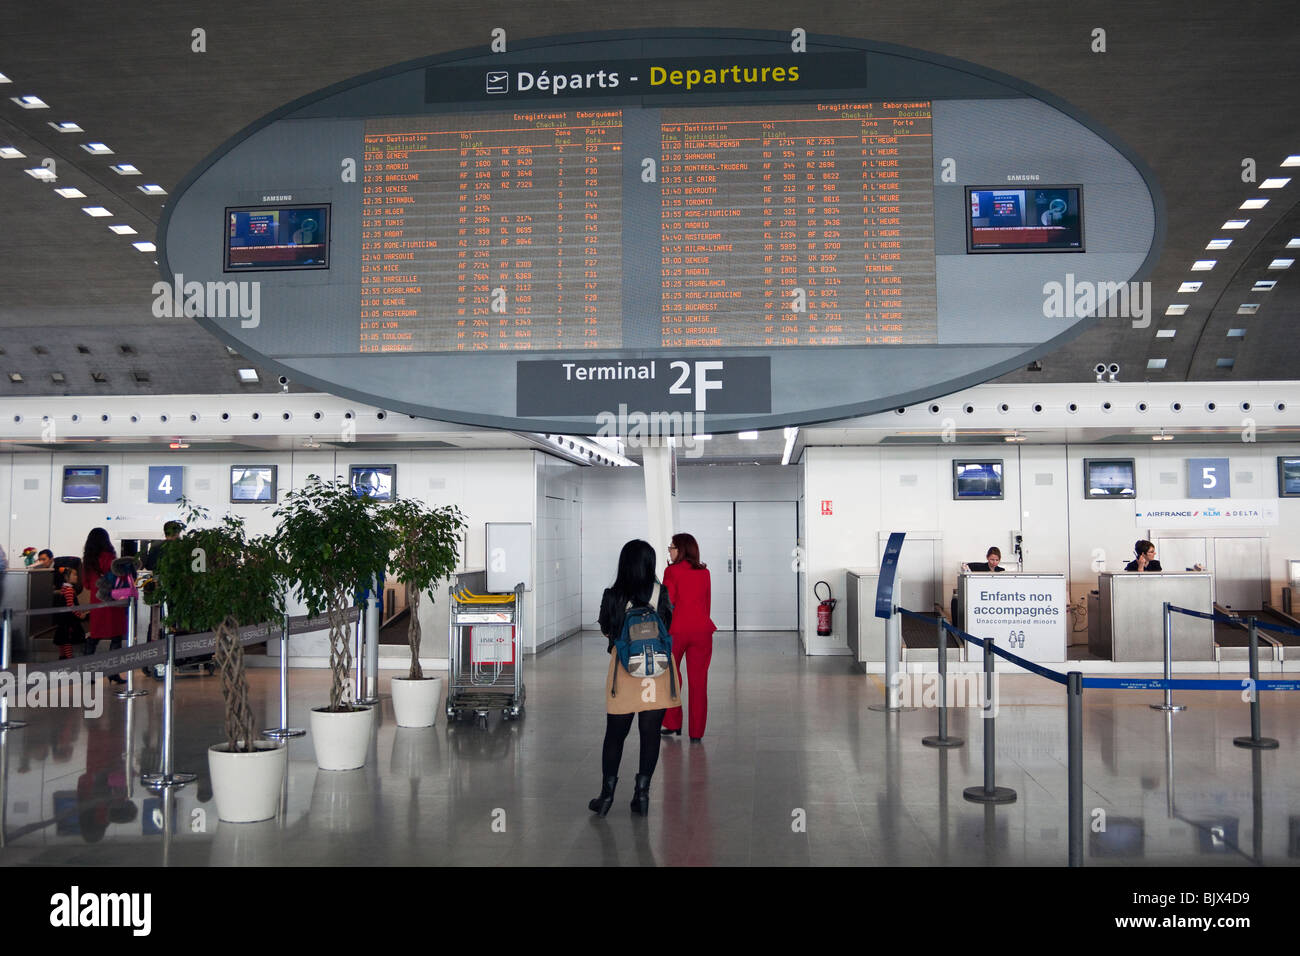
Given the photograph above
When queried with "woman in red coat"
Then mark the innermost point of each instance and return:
(110, 622)
(689, 589)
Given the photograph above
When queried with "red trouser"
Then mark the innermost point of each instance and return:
(698, 651)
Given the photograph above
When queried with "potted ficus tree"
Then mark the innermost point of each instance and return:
(331, 541)
(217, 578)
(426, 544)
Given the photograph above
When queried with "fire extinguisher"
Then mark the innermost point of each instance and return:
(824, 609)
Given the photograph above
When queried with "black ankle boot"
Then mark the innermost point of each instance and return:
(600, 806)
(641, 795)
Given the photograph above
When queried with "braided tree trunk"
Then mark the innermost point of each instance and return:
(241, 729)
(340, 657)
(413, 635)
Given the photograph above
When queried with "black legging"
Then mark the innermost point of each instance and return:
(616, 728)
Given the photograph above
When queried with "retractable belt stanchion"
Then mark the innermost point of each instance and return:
(5, 643)
(129, 692)
(1169, 665)
(166, 776)
(990, 792)
(374, 617)
(1255, 740)
(943, 740)
(284, 730)
(1074, 735)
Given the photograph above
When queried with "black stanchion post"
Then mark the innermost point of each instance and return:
(1255, 740)
(942, 740)
(990, 792)
(166, 776)
(283, 730)
(1074, 734)
(1168, 621)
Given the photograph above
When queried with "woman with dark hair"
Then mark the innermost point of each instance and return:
(110, 622)
(690, 590)
(626, 695)
(1146, 557)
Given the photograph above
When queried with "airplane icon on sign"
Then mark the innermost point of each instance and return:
(498, 81)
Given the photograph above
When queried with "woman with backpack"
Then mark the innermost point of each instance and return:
(690, 590)
(105, 623)
(634, 593)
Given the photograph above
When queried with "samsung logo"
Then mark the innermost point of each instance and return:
(1024, 178)
(277, 198)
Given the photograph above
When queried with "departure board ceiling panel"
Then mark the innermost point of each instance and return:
(734, 228)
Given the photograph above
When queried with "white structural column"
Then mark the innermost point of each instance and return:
(656, 463)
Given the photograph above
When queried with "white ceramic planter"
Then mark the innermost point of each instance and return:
(247, 786)
(341, 740)
(415, 702)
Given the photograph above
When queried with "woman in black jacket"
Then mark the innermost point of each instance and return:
(626, 695)
(1146, 558)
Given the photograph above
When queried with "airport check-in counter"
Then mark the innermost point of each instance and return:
(867, 633)
(1023, 613)
(27, 589)
(1130, 622)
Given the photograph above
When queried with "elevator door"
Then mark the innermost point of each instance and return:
(713, 525)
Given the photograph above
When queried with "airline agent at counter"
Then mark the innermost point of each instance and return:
(991, 562)
(1146, 558)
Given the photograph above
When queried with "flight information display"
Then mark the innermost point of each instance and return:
(800, 224)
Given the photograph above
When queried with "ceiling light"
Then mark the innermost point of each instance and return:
(57, 378)
(1190, 287)
(1289, 161)
(1277, 183)
(152, 189)
(248, 375)
(98, 212)
(1254, 204)
(1218, 244)
(1162, 436)
(1294, 243)
(1156, 363)
(1263, 285)
(1281, 264)
(1248, 308)
(122, 230)
(30, 102)
(15, 377)
(1236, 333)
(1165, 333)
(9, 152)
(41, 173)
(179, 443)
(747, 436)
(1224, 363)
(70, 192)
(702, 438)
(125, 169)
(1178, 309)
(97, 149)
(790, 435)
(98, 378)
(1203, 265)
(1014, 436)
(1236, 224)
(66, 127)
(5, 79)
(145, 246)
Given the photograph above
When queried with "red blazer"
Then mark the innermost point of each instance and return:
(109, 621)
(690, 590)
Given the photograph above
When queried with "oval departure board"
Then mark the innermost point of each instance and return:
(749, 229)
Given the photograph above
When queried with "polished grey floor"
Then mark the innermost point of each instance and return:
(794, 770)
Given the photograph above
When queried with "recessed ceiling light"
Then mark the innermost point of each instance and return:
(152, 189)
(57, 378)
(98, 212)
(97, 149)
(1276, 183)
(1224, 363)
(66, 127)
(702, 437)
(1156, 363)
(1236, 224)
(5, 79)
(15, 377)
(1165, 333)
(1190, 287)
(231, 351)
(1203, 265)
(145, 246)
(1248, 308)
(1218, 244)
(70, 192)
(1294, 243)
(1177, 309)
(41, 173)
(248, 375)
(1289, 161)
(1254, 204)
(9, 152)
(125, 169)
(1281, 264)
(747, 436)
(122, 230)
(30, 102)
(98, 378)
(1236, 333)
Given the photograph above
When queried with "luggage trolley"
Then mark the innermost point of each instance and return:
(485, 662)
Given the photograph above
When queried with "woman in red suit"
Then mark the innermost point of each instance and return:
(109, 622)
(692, 630)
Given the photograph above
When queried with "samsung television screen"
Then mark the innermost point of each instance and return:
(1288, 477)
(1109, 478)
(255, 483)
(1026, 219)
(262, 238)
(376, 481)
(976, 479)
(85, 485)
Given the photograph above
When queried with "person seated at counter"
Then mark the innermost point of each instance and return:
(44, 560)
(991, 562)
(1146, 558)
